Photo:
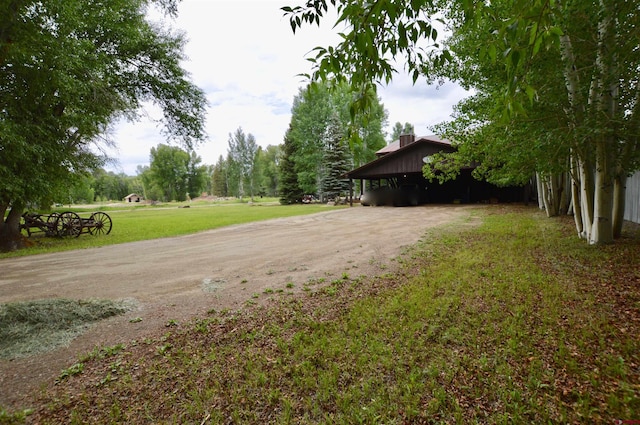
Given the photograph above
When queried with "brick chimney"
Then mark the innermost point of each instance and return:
(406, 139)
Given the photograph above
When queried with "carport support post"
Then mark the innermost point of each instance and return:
(350, 192)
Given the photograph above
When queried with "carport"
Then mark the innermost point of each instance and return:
(395, 177)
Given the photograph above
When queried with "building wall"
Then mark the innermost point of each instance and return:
(632, 204)
(466, 189)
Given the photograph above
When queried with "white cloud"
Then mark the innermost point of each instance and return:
(245, 57)
(421, 105)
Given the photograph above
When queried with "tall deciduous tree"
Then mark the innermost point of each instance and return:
(169, 171)
(365, 131)
(82, 192)
(269, 160)
(579, 61)
(242, 153)
(399, 129)
(149, 189)
(309, 116)
(67, 70)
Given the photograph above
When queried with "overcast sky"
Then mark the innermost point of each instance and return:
(245, 57)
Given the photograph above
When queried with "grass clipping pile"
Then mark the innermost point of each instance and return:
(35, 327)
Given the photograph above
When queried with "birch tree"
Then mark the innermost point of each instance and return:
(596, 49)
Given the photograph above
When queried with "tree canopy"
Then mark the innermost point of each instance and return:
(399, 129)
(173, 174)
(67, 70)
(314, 109)
(568, 94)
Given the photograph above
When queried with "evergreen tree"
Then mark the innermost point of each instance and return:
(290, 191)
(337, 161)
(219, 184)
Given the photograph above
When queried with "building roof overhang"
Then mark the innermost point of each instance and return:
(395, 160)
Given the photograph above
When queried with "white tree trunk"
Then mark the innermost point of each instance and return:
(604, 100)
(585, 174)
(567, 196)
(241, 186)
(602, 226)
(548, 198)
(540, 191)
(575, 197)
(553, 193)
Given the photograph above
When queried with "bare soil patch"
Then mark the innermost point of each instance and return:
(173, 280)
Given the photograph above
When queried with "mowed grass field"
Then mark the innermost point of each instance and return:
(138, 222)
(515, 321)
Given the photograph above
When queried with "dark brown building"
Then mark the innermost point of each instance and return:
(395, 177)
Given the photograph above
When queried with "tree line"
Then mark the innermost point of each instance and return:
(322, 143)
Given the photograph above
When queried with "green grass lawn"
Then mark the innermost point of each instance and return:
(513, 322)
(139, 222)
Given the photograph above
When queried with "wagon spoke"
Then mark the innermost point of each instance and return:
(99, 224)
(51, 225)
(69, 224)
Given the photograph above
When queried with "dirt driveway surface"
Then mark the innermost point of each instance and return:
(176, 279)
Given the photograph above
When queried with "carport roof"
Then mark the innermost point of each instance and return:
(392, 147)
(395, 160)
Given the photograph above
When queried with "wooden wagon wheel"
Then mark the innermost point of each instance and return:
(69, 224)
(101, 223)
(51, 224)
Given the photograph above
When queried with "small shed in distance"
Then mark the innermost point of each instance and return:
(395, 177)
(133, 197)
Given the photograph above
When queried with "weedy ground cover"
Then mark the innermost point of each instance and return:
(513, 321)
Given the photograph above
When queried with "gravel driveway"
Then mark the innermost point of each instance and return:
(183, 277)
